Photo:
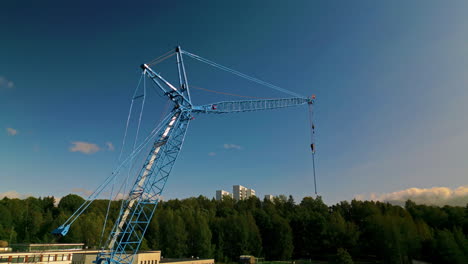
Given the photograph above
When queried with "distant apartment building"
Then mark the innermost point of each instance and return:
(221, 193)
(241, 193)
(269, 197)
(250, 192)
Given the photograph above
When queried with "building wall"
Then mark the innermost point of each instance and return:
(48, 257)
(241, 193)
(189, 261)
(250, 193)
(143, 257)
(221, 193)
(46, 247)
(147, 257)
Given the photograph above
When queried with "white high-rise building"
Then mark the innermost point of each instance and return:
(221, 193)
(241, 193)
(269, 197)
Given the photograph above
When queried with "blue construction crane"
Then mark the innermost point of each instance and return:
(138, 209)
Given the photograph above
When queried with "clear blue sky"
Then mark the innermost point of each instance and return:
(390, 79)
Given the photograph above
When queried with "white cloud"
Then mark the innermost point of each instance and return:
(84, 147)
(11, 131)
(14, 194)
(212, 154)
(232, 146)
(432, 196)
(5, 83)
(120, 196)
(82, 191)
(110, 146)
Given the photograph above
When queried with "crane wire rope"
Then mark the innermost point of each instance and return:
(231, 94)
(161, 60)
(157, 60)
(123, 145)
(93, 196)
(132, 161)
(128, 117)
(312, 143)
(245, 76)
(141, 113)
(107, 212)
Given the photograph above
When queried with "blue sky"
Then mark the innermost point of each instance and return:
(390, 80)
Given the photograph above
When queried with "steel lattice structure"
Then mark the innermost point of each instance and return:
(138, 209)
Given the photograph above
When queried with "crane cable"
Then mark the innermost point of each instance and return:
(245, 76)
(123, 143)
(312, 144)
(162, 57)
(231, 94)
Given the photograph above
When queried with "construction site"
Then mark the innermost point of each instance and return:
(233, 132)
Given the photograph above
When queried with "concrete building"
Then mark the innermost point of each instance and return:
(221, 193)
(269, 197)
(143, 257)
(70, 254)
(241, 193)
(47, 247)
(43, 253)
(250, 193)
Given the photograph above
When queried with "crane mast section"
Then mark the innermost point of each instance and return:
(138, 189)
(250, 105)
(138, 209)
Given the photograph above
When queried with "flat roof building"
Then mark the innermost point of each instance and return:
(74, 254)
(46, 247)
(143, 257)
(221, 193)
(46, 257)
(241, 193)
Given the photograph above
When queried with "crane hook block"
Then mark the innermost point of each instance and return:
(312, 147)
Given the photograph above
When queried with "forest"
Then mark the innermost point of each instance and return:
(281, 229)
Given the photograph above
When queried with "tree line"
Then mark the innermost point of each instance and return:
(276, 230)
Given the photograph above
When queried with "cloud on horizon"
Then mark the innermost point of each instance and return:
(438, 196)
(14, 195)
(11, 131)
(82, 191)
(212, 154)
(232, 146)
(84, 147)
(5, 83)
